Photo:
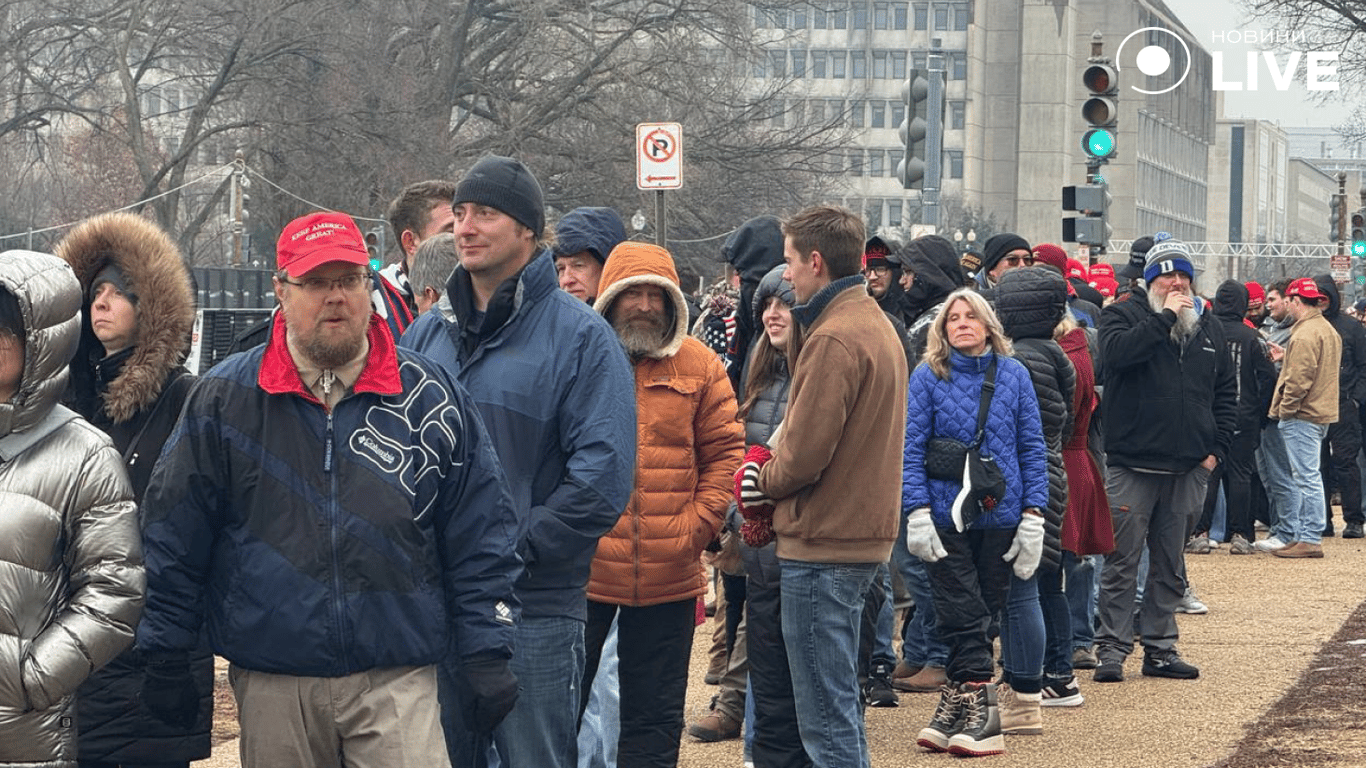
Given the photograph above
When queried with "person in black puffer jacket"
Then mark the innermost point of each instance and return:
(127, 380)
(1344, 436)
(1031, 301)
(930, 271)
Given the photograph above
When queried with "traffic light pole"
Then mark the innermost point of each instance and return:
(934, 137)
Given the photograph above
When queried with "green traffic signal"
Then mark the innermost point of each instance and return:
(1359, 248)
(1098, 142)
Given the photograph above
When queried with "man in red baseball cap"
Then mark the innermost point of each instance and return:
(1306, 402)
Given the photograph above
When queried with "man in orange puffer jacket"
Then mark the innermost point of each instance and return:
(647, 573)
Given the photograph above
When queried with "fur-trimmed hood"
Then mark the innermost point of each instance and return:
(156, 273)
(633, 263)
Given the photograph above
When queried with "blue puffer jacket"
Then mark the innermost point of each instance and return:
(1014, 436)
(557, 394)
(320, 543)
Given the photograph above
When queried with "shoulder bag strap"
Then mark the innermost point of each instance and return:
(988, 388)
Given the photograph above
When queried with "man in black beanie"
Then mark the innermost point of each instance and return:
(1002, 252)
(557, 394)
(1131, 273)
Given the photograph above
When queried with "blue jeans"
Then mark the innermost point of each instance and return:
(1022, 635)
(886, 618)
(1274, 467)
(920, 646)
(543, 728)
(1082, 584)
(822, 611)
(601, 725)
(1304, 517)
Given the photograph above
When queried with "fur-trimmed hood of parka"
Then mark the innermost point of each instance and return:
(633, 263)
(156, 274)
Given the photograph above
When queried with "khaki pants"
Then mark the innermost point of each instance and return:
(380, 718)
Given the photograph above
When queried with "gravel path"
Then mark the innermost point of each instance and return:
(1268, 620)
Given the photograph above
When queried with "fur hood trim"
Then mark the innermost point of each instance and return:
(156, 273)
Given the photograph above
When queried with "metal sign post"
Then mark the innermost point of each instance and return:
(659, 166)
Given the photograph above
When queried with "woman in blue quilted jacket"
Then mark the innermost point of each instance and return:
(970, 559)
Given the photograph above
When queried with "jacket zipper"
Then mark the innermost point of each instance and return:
(338, 609)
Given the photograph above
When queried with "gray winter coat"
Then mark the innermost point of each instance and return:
(71, 579)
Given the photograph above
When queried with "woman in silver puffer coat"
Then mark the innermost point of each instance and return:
(71, 579)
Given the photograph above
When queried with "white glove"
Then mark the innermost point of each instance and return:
(1027, 548)
(750, 495)
(921, 537)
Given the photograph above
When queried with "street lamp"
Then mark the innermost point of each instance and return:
(638, 220)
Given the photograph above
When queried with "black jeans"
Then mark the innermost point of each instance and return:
(777, 741)
(1340, 453)
(654, 646)
(969, 585)
(1235, 472)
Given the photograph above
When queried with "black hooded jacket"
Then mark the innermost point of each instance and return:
(1248, 353)
(753, 249)
(937, 274)
(1352, 372)
(1030, 302)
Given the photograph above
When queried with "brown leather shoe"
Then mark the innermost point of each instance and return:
(717, 726)
(1299, 549)
(903, 671)
(927, 680)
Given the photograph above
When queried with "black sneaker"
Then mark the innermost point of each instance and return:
(1168, 664)
(1353, 531)
(1109, 671)
(1059, 692)
(877, 691)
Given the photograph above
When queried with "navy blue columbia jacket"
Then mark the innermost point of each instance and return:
(323, 544)
(557, 393)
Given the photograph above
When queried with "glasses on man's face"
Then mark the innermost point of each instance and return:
(879, 271)
(1019, 261)
(321, 286)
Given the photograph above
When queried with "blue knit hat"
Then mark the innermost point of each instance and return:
(1168, 256)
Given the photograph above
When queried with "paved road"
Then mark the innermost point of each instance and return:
(1267, 619)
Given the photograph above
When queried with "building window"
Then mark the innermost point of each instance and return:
(961, 17)
(875, 166)
(877, 114)
(879, 65)
(779, 16)
(760, 17)
(881, 16)
(898, 15)
(837, 64)
(856, 162)
(778, 63)
(836, 111)
(818, 17)
(941, 18)
(922, 16)
(918, 60)
(898, 65)
(856, 114)
(799, 63)
(957, 115)
(898, 113)
(860, 19)
(761, 67)
(799, 17)
(858, 65)
(818, 59)
(873, 215)
(839, 15)
(958, 65)
(818, 111)
(955, 163)
(779, 114)
(894, 212)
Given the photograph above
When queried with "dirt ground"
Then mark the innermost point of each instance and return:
(1283, 683)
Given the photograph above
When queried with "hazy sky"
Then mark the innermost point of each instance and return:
(1291, 108)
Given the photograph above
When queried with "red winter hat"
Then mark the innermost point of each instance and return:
(1256, 296)
(1076, 269)
(1106, 285)
(318, 238)
(1102, 270)
(1305, 287)
(1052, 255)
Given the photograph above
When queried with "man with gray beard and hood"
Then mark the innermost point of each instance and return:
(1170, 411)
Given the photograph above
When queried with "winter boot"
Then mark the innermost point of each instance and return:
(980, 733)
(1020, 712)
(948, 718)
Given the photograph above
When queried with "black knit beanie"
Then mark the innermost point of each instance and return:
(504, 184)
(997, 246)
(113, 275)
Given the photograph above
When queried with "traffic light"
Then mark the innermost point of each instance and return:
(1335, 218)
(1091, 201)
(913, 130)
(1099, 110)
(374, 243)
(1359, 233)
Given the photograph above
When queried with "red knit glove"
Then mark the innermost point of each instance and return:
(758, 532)
(752, 501)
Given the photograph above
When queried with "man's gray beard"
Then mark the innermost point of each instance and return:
(1186, 319)
(327, 356)
(640, 339)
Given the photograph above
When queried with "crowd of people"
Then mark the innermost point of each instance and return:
(464, 510)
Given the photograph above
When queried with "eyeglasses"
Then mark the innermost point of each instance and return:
(879, 271)
(1016, 261)
(321, 286)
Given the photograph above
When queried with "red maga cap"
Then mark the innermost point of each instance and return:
(1306, 288)
(318, 238)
